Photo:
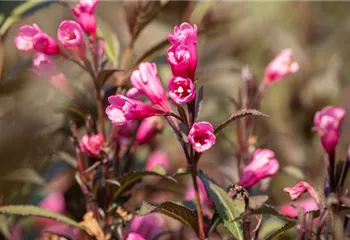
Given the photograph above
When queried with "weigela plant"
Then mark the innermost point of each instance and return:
(133, 109)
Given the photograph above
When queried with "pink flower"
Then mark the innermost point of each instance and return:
(185, 34)
(147, 226)
(182, 60)
(157, 158)
(71, 37)
(190, 193)
(328, 122)
(181, 90)
(281, 66)
(201, 136)
(134, 236)
(262, 165)
(24, 39)
(92, 144)
(146, 79)
(54, 202)
(44, 66)
(85, 15)
(297, 190)
(307, 204)
(148, 129)
(122, 108)
(45, 44)
(134, 93)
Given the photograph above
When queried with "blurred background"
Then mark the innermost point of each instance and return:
(34, 137)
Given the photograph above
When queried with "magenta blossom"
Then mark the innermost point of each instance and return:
(262, 165)
(134, 93)
(298, 189)
(92, 144)
(281, 66)
(327, 123)
(147, 226)
(182, 61)
(45, 44)
(71, 37)
(85, 15)
(201, 136)
(307, 204)
(190, 193)
(148, 129)
(181, 90)
(146, 79)
(157, 158)
(122, 108)
(24, 39)
(54, 202)
(134, 236)
(184, 34)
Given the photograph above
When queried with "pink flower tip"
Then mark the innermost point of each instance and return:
(24, 39)
(85, 15)
(263, 165)
(147, 226)
(328, 123)
(71, 37)
(201, 136)
(184, 34)
(92, 144)
(148, 129)
(134, 236)
(181, 90)
(281, 66)
(298, 189)
(122, 108)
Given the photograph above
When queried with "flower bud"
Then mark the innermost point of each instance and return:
(182, 61)
(134, 93)
(262, 165)
(327, 123)
(122, 108)
(148, 129)
(181, 90)
(24, 39)
(190, 193)
(92, 144)
(157, 158)
(85, 15)
(146, 80)
(185, 34)
(45, 44)
(201, 136)
(298, 189)
(134, 236)
(281, 66)
(307, 204)
(71, 37)
(54, 202)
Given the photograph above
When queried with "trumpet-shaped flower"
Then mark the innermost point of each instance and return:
(71, 37)
(181, 90)
(201, 136)
(24, 39)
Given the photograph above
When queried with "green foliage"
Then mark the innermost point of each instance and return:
(229, 210)
(173, 210)
(111, 44)
(29, 210)
(285, 227)
(26, 175)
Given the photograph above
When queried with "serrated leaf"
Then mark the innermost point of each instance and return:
(237, 115)
(268, 210)
(128, 180)
(104, 75)
(26, 175)
(228, 209)
(111, 43)
(286, 227)
(31, 210)
(199, 102)
(173, 210)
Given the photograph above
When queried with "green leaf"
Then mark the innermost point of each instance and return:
(173, 210)
(228, 209)
(29, 210)
(104, 75)
(26, 175)
(111, 43)
(237, 115)
(286, 227)
(268, 210)
(4, 227)
(257, 201)
(213, 223)
(128, 180)
(182, 171)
